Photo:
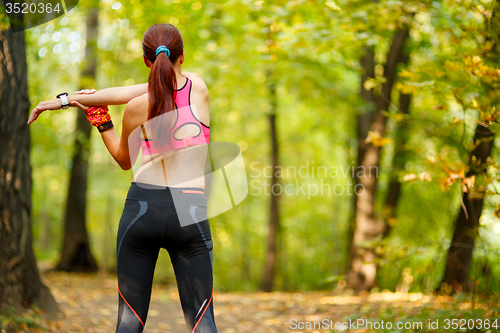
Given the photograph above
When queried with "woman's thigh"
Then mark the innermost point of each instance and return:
(137, 252)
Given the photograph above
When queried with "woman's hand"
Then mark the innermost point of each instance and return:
(79, 105)
(54, 104)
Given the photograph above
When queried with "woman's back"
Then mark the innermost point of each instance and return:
(177, 156)
(186, 129)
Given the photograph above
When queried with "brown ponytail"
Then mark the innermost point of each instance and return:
(162, 83)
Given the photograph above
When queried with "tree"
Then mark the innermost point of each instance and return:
(274, 235)
(76, 254)
(363, 269)
(466, 224)
(398, 163)
(20, 282)
(364, 120)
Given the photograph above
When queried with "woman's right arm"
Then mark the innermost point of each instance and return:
(108, 96)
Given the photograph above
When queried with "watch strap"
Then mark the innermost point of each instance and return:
(64, 100)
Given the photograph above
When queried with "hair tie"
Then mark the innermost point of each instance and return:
(163, 49)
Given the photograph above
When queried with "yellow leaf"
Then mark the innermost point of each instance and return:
(332, 5)
(406, 88)
(409, 177)
(398, 116)
(425, 176)
(469, 183)
(376, 139)
(369, 84)
(454, 175)
(405, 73)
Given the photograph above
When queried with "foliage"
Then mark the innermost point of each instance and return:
(311, 51)
(28, 321)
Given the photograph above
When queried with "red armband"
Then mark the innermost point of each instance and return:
(98, 115)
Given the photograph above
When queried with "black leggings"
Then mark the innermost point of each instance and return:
(156, 217)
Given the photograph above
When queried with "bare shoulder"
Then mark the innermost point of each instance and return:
(192, 75)
(137, 109)
(198, 83)
(138, 103)
(199, 97)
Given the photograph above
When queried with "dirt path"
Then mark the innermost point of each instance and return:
(89, 304)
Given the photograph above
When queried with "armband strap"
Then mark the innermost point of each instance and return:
(97, 115)
(106, 126)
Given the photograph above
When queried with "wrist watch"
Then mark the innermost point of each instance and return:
(64, 100)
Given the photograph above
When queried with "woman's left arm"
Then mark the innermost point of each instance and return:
(107, 96)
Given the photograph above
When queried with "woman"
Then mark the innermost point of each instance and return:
(166, 205)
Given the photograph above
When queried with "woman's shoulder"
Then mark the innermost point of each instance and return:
(137, 108)
(192, 76)
(198, 82)
(199, 97)
(139, 100)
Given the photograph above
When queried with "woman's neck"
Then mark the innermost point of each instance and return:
(178, 73)
(177, 68)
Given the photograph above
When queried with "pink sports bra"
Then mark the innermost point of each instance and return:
(184, 116)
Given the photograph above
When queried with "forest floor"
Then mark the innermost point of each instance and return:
(89, 304)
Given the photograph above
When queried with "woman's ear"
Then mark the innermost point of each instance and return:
(146, 61)
(182, 57)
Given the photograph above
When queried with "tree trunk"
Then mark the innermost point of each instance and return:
(274, 235)
(466, 227)
(363, 267)
(20, 282)
(363, 126)
(76, 255)
(398, 164)
(398, 161)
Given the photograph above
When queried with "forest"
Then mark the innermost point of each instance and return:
(367, 129)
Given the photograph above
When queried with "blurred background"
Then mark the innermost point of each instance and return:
(368, 130)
